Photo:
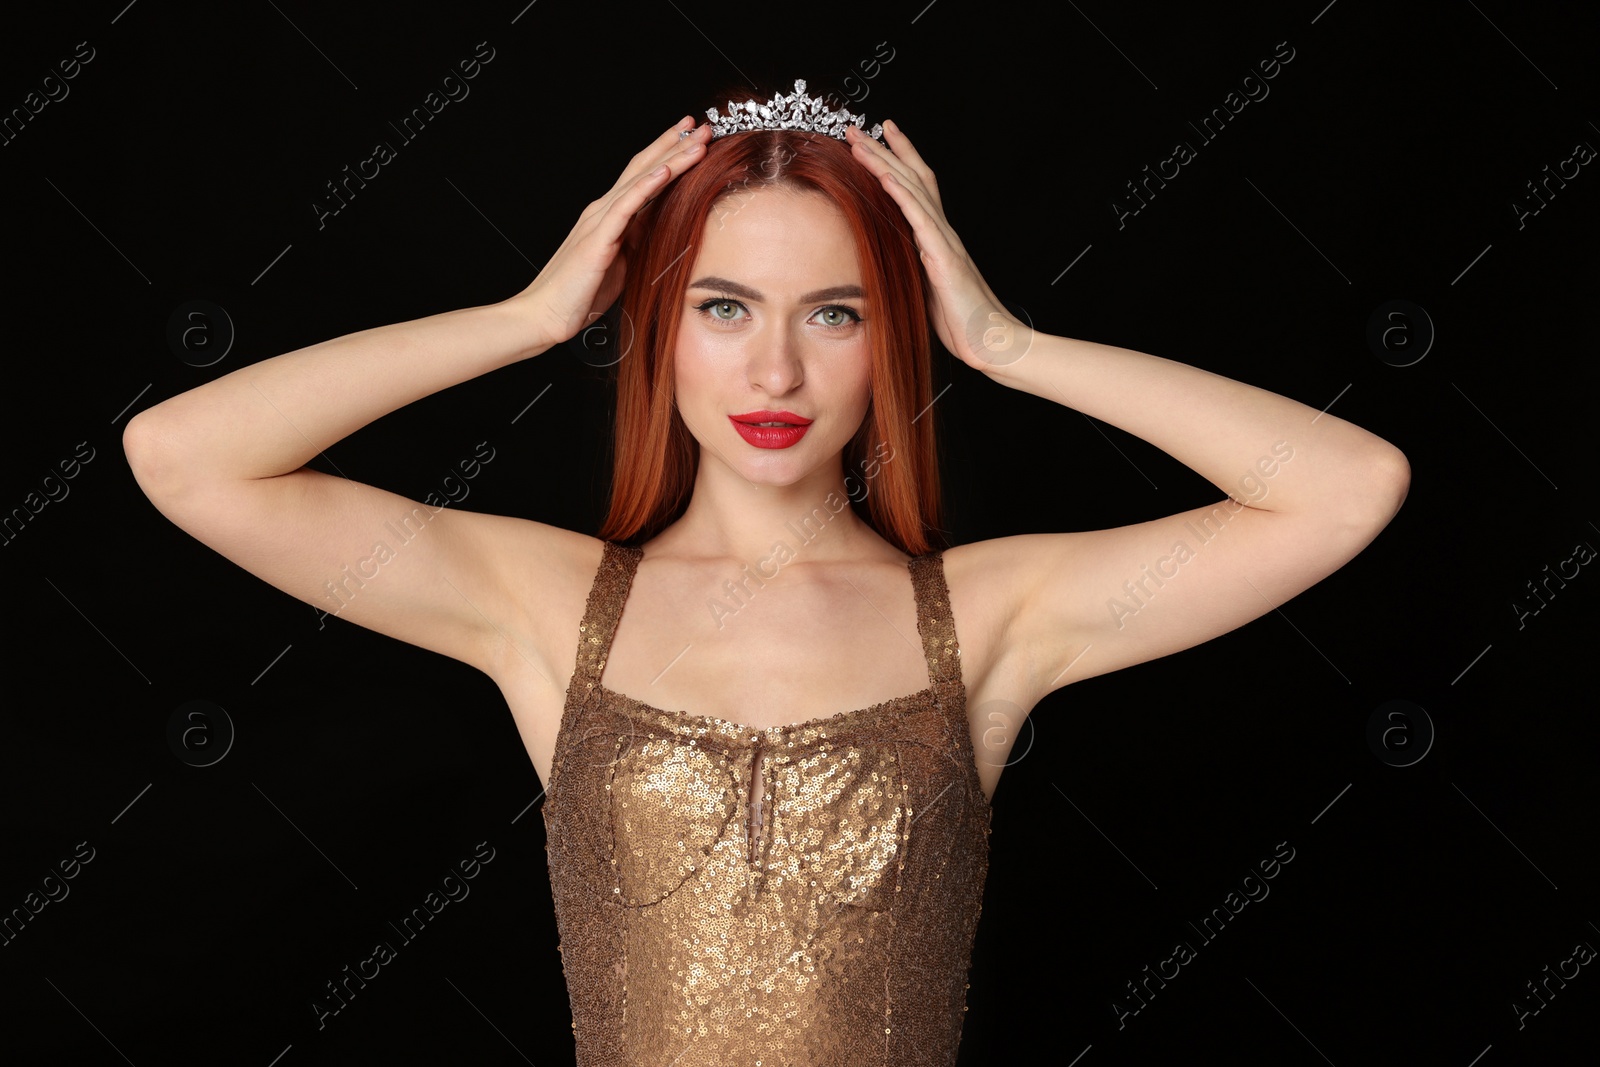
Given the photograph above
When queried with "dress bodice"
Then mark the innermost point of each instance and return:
(829, 921)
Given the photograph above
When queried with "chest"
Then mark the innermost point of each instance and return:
(771, 654)
(763, 654)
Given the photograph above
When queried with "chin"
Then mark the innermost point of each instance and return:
(776, 466)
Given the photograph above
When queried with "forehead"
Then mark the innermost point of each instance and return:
(792, 239)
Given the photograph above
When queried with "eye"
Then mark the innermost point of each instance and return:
(838, 317)
(715, 309)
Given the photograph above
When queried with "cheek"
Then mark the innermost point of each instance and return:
(690, 370)
(864, 391)
(861, 364)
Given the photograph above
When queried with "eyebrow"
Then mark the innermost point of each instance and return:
(836, 292)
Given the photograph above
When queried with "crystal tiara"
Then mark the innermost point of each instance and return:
(788, 111)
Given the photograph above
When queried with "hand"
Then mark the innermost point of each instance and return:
(969, 319)
(585, 275)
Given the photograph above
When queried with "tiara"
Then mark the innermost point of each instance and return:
(788, 111)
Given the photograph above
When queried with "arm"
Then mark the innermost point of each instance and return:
(226, 461)
(1306, 492)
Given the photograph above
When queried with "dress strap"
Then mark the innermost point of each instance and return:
(936, 622)
(604, 607)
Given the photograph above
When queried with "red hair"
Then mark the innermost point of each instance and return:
(656, 457)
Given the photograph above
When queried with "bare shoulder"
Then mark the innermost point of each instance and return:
(1021, 607)
(1048, 610)
(545, 573)
(989, 585)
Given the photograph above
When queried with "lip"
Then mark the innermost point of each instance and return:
(771, 416)
(769, 436)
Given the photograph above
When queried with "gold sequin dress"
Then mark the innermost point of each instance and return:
(835, 930)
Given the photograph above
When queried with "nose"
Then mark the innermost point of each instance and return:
(774, 363)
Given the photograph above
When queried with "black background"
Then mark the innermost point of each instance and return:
(1383, 165)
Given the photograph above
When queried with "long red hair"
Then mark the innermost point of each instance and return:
(656, 457)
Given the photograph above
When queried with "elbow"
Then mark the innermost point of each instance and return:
(148, 460)
(1390, 481)
(136, 444)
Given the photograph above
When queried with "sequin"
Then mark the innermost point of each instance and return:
(834, 928)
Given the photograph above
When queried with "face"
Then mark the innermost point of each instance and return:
(774, 320)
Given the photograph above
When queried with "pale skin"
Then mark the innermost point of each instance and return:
(836, 628)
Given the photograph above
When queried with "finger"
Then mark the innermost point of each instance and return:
(933, 238)
(882, 163)
(908, 165)
(650, 153)
(905, 151)
(871, 152)
(664, 146)
(627, 202)
(677, 158)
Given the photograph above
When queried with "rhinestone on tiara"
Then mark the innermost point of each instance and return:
(788, 111)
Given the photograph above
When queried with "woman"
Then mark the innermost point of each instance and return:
(764, 877)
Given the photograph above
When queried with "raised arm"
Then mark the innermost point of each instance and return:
(226, 461)
(1305, 491)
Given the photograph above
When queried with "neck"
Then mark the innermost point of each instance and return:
(730, 517)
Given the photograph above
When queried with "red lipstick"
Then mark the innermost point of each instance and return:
(789, 430)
